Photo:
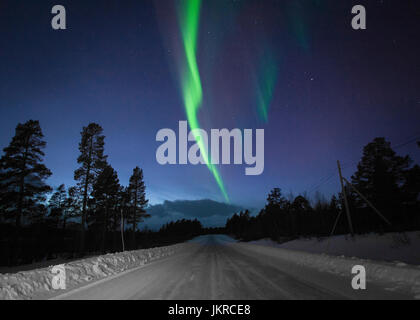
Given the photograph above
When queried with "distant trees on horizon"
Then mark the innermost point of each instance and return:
(387, 180)
(87, 217)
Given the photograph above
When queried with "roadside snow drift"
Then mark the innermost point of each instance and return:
(389, 247)
(24, 285)
(394, 275)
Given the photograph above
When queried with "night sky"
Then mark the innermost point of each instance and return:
(334, 89)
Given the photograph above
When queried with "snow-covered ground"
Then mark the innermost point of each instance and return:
(390, 247)
(393, 276)
(219, 267)
(392, 259)
(25, 284)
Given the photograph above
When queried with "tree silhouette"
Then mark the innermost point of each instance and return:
(105, 195)
(138, 202)
(22, 173)
(72, 205)
(379, 177)
(57, 205)
(275, 198)
(92, 160)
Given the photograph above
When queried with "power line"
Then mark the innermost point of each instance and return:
(325, 179)
(407, 142)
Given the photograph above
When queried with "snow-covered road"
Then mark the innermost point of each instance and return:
(213, 267)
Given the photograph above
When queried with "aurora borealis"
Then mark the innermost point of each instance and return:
(266, 85)
(295, 68)
(191, 83)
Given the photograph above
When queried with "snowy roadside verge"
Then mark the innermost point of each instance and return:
(390, 247)
(24, 285)
(392, 275)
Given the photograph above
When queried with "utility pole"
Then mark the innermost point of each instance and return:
(343, 191)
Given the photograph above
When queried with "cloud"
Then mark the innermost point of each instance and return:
(194, 208)
(210, 213)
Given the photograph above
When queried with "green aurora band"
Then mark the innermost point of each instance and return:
(192, 91)
(266, 84)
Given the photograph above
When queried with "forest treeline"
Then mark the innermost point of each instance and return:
(390, 183)
(38, 222)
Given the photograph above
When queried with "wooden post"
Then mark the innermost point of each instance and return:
(122, 230)
(345, 199)
(332, 232)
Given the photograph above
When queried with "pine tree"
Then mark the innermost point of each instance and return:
(22, 173)
(105, 193)
(138, 202)
(380, 176)
(275, 214)
(92, 160)
(72, 205)
(57, 205)
(121, 213)
(275, 198)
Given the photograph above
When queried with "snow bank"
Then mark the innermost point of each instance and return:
(24, 285)
(396, 275)
(391, 247)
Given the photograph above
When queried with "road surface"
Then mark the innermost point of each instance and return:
(216, 268)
